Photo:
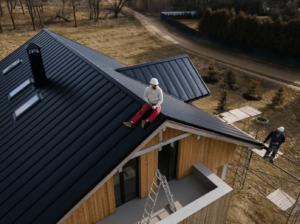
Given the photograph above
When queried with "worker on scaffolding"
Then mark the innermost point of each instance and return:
(277, 138)
(154, 98)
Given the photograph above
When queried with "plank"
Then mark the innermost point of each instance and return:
(229, 118)
(239, 114)
(262, 152)
(250, 111)
(281, 199)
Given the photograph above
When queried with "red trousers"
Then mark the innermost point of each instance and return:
(145, 108)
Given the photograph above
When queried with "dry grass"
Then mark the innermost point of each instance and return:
(192, 23)
(128, 42)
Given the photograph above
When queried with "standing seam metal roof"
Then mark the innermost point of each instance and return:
(177, 76)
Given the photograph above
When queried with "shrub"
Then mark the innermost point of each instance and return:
(211, 70)
(230, 80)
(278, 97)
(253, 90)
(223, 102)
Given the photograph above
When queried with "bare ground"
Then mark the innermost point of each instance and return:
(127, 41)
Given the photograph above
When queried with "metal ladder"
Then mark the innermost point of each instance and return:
(150, 202)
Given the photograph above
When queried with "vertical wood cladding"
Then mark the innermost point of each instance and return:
(148, 164)
(100, 205)
(214, 213)
(210, 152)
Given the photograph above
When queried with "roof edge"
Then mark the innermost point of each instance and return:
(152, 63)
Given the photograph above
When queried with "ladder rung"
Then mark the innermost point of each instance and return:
(145, 219)
(155, 184)
(153, 191)
(146, 212)
(151, 198)
(149, 205)
(158, 177)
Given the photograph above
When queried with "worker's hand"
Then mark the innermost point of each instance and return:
(276, 143)
(153, 107)
(149, 104)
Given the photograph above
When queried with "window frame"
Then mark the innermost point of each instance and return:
(11, 66)
(20, 88)
(27, 107)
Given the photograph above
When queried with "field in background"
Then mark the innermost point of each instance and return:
(192, 23)
(130, 43)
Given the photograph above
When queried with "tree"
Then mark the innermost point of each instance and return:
(22, 7)
(1, 11)
(10, 10)
(230, 80)
(211, 70)
(278, 97)
(1, 30)
(254, 89)
(39, 11)
(30, 7)
(73, 2)
(118, 7)
(223, 102)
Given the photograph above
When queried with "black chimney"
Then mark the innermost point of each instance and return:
(37, 65)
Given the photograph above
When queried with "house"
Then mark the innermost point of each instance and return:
(67, 158)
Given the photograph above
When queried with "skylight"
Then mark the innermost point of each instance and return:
(21, 87)
(6, 70)
(31, 102)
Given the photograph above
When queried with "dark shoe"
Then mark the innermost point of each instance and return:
(128, 124)
(272, 161)
(265, 157)
(144, 122)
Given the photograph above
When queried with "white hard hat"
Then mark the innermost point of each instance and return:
(281, 129)
(154, 81)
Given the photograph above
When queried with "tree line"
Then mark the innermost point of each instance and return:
(277, 35)
(35, 8)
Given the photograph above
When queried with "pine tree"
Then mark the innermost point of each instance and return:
(278, 97)
(254, 89)
(211, 70)
(230, 80)
(223, 102)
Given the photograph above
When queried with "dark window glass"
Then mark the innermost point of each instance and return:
(130, 179)
(117, 185)
(172, 161)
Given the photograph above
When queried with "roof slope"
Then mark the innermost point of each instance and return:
(173, 108)
(176, 76)
(64, 145)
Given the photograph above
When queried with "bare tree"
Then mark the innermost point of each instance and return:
(10, 10)
(118, 7)
(39, 12)
(30, 7)
(1, 30)
(63, 7)
(22, 7)
(1, 11)
(73, 2)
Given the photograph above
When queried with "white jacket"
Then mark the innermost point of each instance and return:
(153, 96)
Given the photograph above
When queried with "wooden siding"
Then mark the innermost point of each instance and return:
(100, 205)
(171, 133)
(148, 164)
(214, 213)
(210, 152)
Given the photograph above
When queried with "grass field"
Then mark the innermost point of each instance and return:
(192, 23)
(130, 43)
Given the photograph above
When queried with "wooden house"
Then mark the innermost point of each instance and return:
(67, 158)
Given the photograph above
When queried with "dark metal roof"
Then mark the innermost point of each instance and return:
(176, 76)
(67, 143)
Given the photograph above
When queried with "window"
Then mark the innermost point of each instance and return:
(21, 87)
(126, 182)
(31, 102)
(6, 70)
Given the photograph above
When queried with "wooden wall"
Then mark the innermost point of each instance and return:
(100, 205)
(214, 213)
(210, 152)
(148, 164)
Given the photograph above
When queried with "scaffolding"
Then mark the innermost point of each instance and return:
(289, 207)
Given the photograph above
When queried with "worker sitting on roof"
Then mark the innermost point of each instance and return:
(154, 97)
(277, 138)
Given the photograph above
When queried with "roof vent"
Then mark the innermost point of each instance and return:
(37, 66)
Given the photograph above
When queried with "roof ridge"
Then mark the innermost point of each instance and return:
(152, 63)
(94, 66)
